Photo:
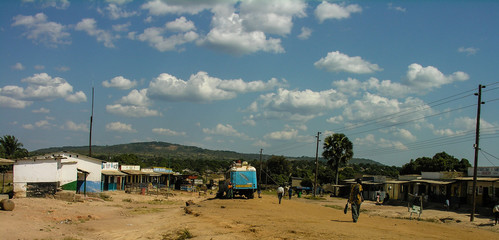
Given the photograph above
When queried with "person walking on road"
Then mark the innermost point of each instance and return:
(290, 193)
(280, 193)
(356, 199)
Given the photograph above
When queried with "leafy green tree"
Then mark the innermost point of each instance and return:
(338, 150)
(440, 162)
(12, 148)
(279, 169)
(307, 182)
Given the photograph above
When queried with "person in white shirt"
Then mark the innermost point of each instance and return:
(280, 193)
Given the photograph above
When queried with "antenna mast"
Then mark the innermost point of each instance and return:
(91, 121)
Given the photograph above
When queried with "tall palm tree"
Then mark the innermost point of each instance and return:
(11, 147)
(337, 150)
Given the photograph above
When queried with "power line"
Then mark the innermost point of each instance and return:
(489, 154)
(487, 158)
(408, 111)
(401, 123)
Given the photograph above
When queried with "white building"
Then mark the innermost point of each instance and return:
(37, 176)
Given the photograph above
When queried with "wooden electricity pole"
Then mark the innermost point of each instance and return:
(91, 121)
(477, 139)
(316, 163)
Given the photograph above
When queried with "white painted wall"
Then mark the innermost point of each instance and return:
(39, 170)
(67, 173)
(91, 165)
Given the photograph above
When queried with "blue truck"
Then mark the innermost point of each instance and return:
(240, 180)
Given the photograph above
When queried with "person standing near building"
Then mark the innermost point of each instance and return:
(495, 210)
(290, 192)
(356, 199)
(280, 193)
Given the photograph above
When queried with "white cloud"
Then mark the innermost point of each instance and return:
(89, 25)
(430, 77)
(39, 30)
(119, 2)
(155, 37)
(261, 144)
(18, 66)
(370, 141)
(298, 105)
(404, 134)
(327, 10)
(58, 4)
(282, 135)
(119, 82)
(42, 124)
(77, 127)
(384, 87)
(167, 132)
(116, 12)
(372, 106)
(249, 120)
(8, 102)
(158, 7)
(121, 27)
(28, 126)
(136, 98)
(203, 88)
(131, 111)
(335, 120)
(40, 87)
(462, 125)
(39, 67)
(41, 110)
(275, 17)
(224, 130)
(180, 25)
(62, 69)
(240, 86)
(229, 35)
(305, 33)
(120, 127)
(76, 97)
(396, 8)
(339, 62)
(469, 51)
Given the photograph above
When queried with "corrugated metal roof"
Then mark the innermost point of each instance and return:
(133, 172)
(486, 179)
(4, 161)
(113, 173)
(433, 181)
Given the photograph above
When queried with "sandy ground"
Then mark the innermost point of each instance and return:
(133, 216)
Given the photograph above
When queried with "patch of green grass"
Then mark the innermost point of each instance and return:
(161, 202)
(70, 238)
(146, 210)
(105, 197)
(314, 198)
(335, 207)
(179, 235)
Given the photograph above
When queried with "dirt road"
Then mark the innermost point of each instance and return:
(131, 216)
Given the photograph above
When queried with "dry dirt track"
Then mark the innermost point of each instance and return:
(130, 216)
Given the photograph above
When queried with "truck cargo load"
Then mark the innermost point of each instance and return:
(240, 180)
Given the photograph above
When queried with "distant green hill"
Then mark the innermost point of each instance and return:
(169, 150)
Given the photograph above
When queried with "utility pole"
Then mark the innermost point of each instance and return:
(261, 165)
(91, 120)
(477, 138)
(316, 163)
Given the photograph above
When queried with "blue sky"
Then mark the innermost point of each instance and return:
(396, 77)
